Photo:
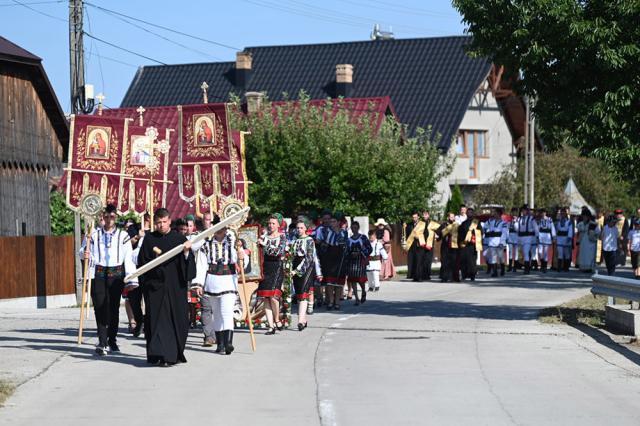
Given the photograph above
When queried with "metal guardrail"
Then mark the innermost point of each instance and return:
(613, 287)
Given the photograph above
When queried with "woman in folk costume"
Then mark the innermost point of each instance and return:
(449, 249)
(377, 256)
(217, 285)
(470, 243)
(588, 235)
(383, 234)
(546, 237)
(305, 269)
(358, 251)
(334, 243)
(274, 246)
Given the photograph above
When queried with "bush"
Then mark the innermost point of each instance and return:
(303, 157)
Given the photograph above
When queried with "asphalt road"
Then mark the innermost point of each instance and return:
(414, 354)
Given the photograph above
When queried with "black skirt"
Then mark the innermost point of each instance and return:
(334, 266)
(357, 268)
(271, 285)
(303, 284)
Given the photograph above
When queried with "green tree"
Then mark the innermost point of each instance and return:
(60, 215)
(455, 201)
(579, 59)
(599, 187)
(301, 157)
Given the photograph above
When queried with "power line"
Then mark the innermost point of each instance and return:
(27, 3)
(363, 19)
(17, 3)
(161, 36)
(402, 10)
(122, 48)
(162, 27)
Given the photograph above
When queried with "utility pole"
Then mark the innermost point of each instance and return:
(76, 54)
(526, 150)
(81, 94)
(532, 153)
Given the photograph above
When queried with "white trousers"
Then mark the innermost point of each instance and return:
(374, 279)
(534, 252)
(564, 252)
(222, 307)
(495, 255)
(543, 252)
(512, 251)
(526, 251)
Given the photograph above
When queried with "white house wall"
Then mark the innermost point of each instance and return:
(501, 151)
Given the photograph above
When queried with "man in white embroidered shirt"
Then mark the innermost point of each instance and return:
(110, 260)
(610, 244)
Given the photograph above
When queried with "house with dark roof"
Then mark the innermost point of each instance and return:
(431, 82)
(34, 137)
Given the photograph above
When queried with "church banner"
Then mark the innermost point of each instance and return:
(145, 165)
(206, 161)
(95, 159)
(210, 160)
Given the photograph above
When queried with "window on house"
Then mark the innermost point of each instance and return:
(472, 144)
(460, 149)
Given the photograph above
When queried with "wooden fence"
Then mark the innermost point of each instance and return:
(36, 266)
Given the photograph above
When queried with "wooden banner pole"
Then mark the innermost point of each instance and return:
(246, 300)
(85, 277)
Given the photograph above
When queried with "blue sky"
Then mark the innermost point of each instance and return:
(41, 27)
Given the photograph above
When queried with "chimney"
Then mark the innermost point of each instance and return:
(254, 101)
(243, 70)
(344, 80)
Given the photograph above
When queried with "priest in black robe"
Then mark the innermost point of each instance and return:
(416, 246)
(469, 243)
(166, 323)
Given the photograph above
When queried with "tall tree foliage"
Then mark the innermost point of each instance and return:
(553, 170)
(301, 157)
(61, 216)
(456, 200)
(580, 59)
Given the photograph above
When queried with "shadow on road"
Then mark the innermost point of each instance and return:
(604, 339)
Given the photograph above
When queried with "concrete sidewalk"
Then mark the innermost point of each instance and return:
(414, 354)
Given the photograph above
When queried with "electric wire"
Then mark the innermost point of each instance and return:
(26, 5)
(104, 9)
(123, 49)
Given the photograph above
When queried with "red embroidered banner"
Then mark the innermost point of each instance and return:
(209, 161)
(145, 164)
(95, 159)
(206, 161)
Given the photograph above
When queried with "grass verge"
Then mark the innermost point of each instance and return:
(6, 389)
(584, 310)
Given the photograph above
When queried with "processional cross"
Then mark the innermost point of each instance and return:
(100, 98)
(204, 86)
(140, 112)
(153, 163)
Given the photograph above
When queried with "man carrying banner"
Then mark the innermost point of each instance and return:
(110, 258)
(165, 292)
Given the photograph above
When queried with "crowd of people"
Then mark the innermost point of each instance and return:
(321, 264)
(324, 263)
(524, 239)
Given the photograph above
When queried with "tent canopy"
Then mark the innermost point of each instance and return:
(575, 199)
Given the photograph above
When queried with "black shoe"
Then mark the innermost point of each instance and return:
(302, 326)
(102, 350)
(280, 327)
(489, 269)
(271, 331)
(357, 302)
(137, 330)
(228, 342)
(377, 288)
(364, 297)
(219, 342)
(502, 269)
(113, 347)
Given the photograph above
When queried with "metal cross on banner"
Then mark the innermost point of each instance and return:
(146, 159)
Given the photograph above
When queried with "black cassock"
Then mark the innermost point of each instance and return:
(166, 321)
(415, 258)
(467, 254)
